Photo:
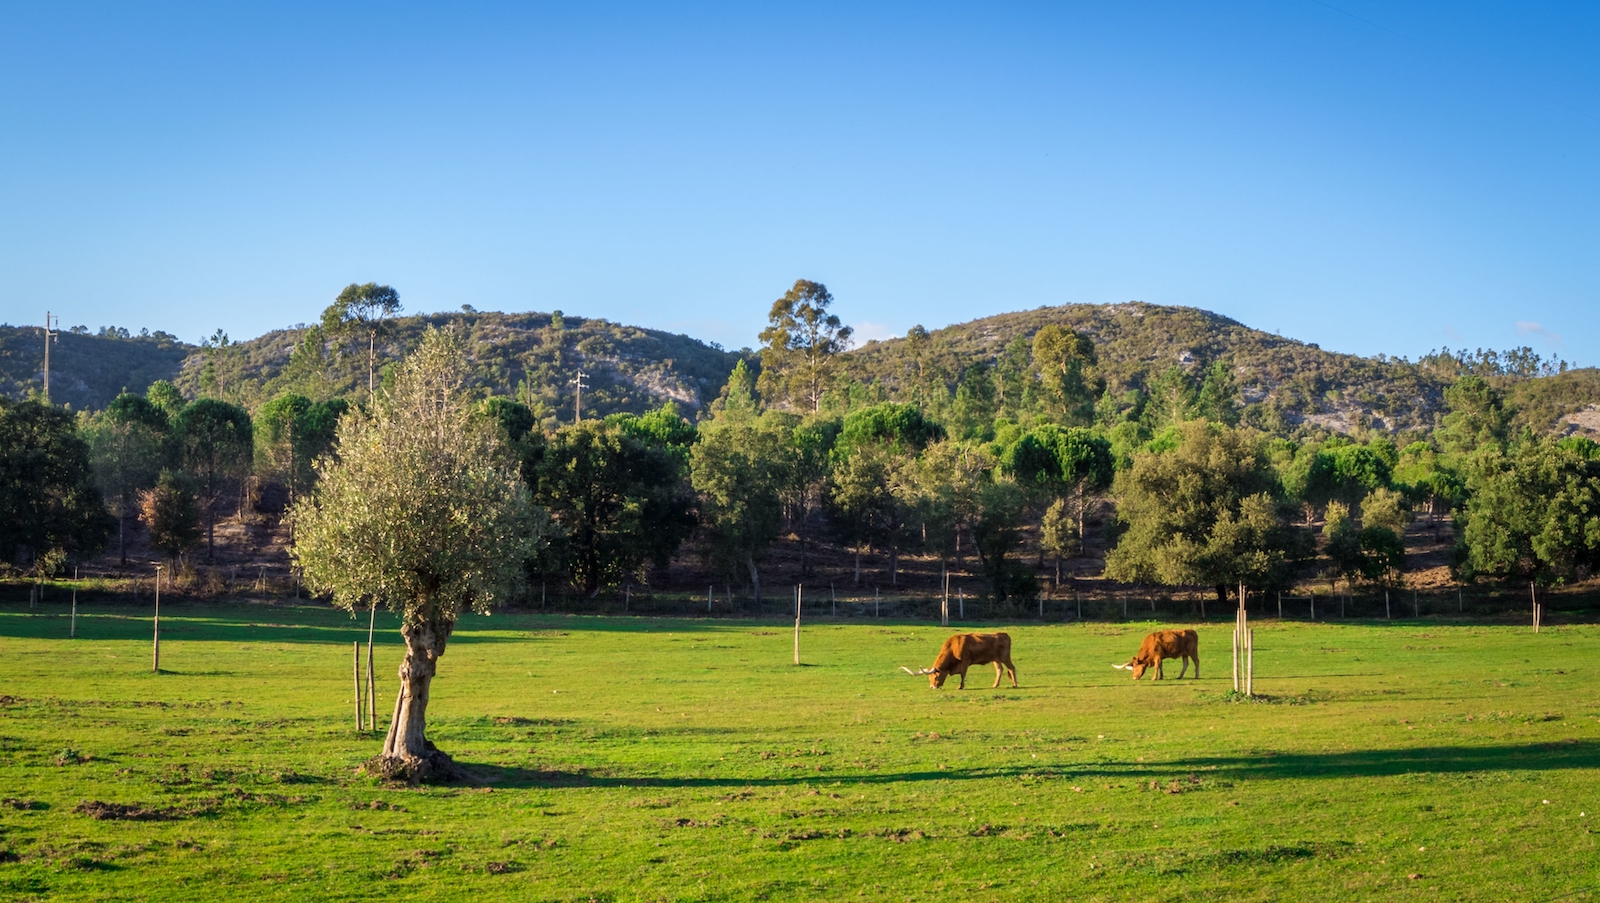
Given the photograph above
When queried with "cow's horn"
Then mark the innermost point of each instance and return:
(908, 671)
(1119, 667)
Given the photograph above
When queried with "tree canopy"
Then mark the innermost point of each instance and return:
(48, 497)
(1206, 512)
(800, 344)
(424, 512)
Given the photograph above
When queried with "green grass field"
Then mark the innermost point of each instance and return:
(631, 759)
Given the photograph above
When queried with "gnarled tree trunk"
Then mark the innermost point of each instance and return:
(407, 754)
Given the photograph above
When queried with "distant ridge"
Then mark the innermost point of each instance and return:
(531, 356)
(86, 370)
(1290, 383)
(1286, 384)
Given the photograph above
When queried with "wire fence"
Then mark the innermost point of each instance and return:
(966, 603)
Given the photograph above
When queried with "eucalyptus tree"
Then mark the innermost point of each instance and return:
(363, 312)
(424, 512)
(802, 342)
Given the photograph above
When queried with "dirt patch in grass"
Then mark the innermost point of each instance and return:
(103, 811)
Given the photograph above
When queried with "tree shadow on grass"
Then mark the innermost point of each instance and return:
(1552, 756)
(1438, 760)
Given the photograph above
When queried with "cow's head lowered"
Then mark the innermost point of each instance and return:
(1136, 664)
(935, 676)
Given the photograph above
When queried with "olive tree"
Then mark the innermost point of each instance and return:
(422, 510)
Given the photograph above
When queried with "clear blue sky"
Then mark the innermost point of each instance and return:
(1371, 177)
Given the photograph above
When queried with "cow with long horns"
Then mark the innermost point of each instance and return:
(1166, 644)
(966, 649)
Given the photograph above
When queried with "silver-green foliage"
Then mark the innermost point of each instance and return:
(422, 510)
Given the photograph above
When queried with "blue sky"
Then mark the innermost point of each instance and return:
(1371, 177)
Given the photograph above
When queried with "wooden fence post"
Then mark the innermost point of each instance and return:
(944, 596)
(372, 678)
(155, 623)
(355, 676)
(1250, 661)
(74, 612)
(797, 598)
(1233, 652)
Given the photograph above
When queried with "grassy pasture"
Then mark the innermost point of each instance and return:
(636, 759)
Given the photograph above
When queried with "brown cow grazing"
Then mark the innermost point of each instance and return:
(1166, 644)
(966, 649)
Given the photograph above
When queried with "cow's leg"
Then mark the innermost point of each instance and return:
(999, 672)
(963, 673)
(1013, 669)
(1185, 669)
(1197, 665)
(1160, 675)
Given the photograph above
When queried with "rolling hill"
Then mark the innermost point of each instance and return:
(1287, 384)
(86, 370)
(1290, 383)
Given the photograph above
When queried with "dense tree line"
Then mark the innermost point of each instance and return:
(1029, 452)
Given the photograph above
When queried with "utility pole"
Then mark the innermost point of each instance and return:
(577, 405)
(49, 337)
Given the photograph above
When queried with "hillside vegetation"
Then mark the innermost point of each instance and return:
(532, 357)
(86, 371)
(1284, 384)
(1287, 382)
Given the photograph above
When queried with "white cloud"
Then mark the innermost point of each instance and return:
(872, 332)
(1529, 328)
